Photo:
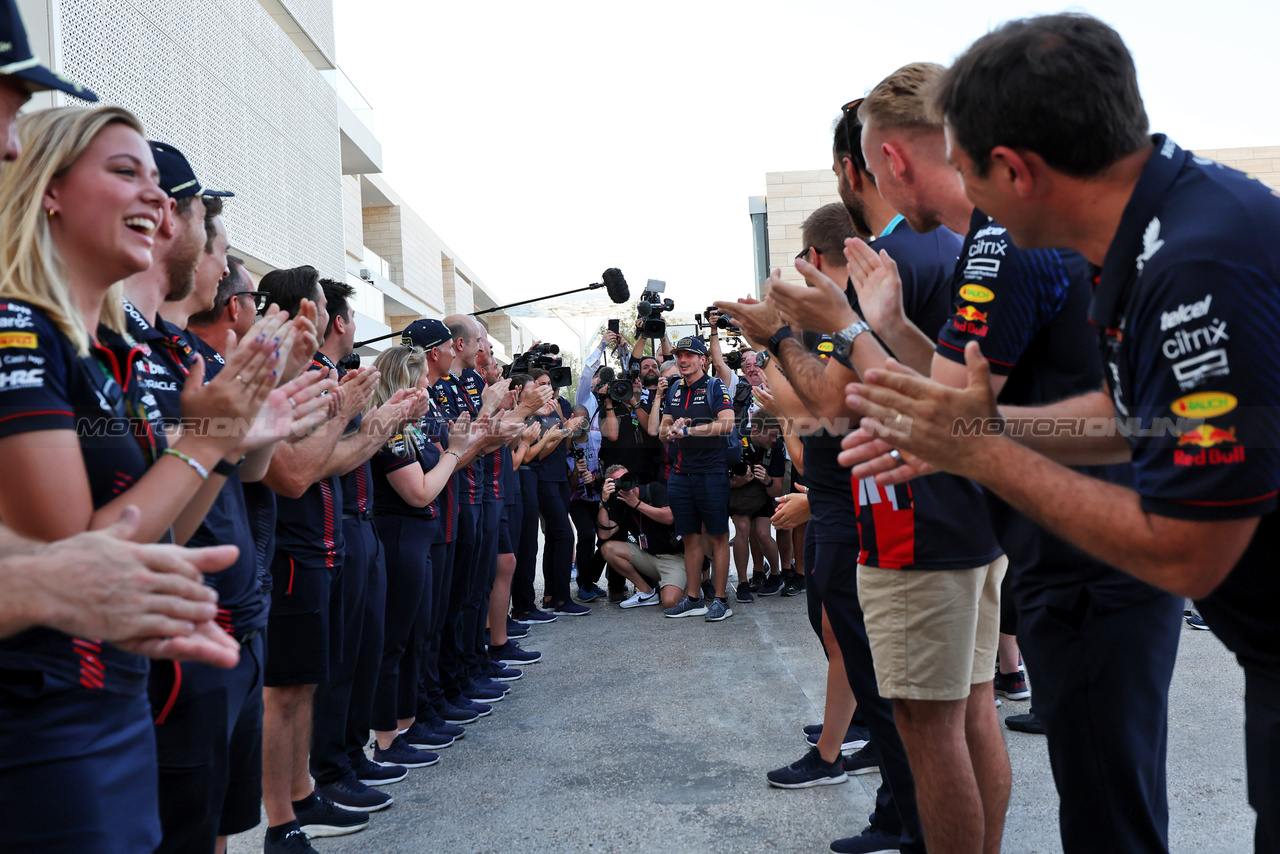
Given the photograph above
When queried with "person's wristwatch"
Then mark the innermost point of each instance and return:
(776, 339)
(227, 469)
(762, 359)
(843, 342)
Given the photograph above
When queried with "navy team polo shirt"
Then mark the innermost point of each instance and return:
(1187, 307)
(700, 402)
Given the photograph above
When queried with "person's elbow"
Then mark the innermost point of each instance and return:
(1198, 577)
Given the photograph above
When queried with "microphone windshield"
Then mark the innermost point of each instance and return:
(616, 285)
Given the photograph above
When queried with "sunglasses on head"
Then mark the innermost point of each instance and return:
(804, 253)
(851, 107)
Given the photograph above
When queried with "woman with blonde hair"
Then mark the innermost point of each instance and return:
(409, 473)
(77, 210)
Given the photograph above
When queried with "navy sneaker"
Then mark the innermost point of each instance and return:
(517, 629)
(864, 760)
(872, 840)
(479, 694)
(771, 586)
(1025, 723)
(440, 726)
(454, 715)
(351, 794)
(510, 654)
(757, 578)
(291, 841)
(708, 590)
(482, 710)
(422, 738)
(318, 816)
(571, 609)
(743, 593)
(1012, 686)
(808, 771)
(1194, 620)
(686, 607)
(500, 673)
(535, 617)
(488, 684)
(400, 753)
(813, 729)
(587, 594)
(855, 738)
(718, 610)
(372, 774)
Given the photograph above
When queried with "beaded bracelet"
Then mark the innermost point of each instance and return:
(200, 470)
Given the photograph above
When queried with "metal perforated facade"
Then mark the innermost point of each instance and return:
(316, 18)
(220, 80)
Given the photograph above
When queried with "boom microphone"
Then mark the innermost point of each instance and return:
(616, 285)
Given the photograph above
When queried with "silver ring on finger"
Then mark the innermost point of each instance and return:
(896, 456)
(896, 420)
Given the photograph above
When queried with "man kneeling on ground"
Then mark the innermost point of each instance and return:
(637, 539)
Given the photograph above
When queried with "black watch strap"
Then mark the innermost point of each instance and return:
(227, 469)
(776, 339)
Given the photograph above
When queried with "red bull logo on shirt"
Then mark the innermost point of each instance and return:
(1207, 438)
(971, 314)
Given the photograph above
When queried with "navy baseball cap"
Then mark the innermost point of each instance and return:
(425, 334)
(693, 344)
(17, 60)
(177, 178)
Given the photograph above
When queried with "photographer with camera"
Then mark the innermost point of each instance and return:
(610, 341)
(754, 483)
(638, 540)
(697, 416)
(584, 501)
(624, 424)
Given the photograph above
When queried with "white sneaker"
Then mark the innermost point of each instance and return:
(641, 599)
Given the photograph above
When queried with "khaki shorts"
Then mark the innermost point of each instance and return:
(661, 569)
(933, 633)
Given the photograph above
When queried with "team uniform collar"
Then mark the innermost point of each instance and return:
(1123, 256)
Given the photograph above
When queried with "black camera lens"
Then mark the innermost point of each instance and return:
(627, 482)
(733, 359)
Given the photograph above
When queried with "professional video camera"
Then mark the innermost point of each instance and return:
(546, 357)
(651, 307)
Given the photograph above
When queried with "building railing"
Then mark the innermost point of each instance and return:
(351, 96)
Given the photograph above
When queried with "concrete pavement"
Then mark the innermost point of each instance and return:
(638, 733)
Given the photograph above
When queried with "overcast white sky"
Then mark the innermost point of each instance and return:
(547, 141)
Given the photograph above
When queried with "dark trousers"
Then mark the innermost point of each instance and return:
(407, 540)
(587, 556)
(1262, 749)
(453, 640)
(833, 567)
(1101, 654)
(197, 708)
(431, 628)
(490, 519)
(329, 759)
(557, 555)
(369, 658)
(525, 527)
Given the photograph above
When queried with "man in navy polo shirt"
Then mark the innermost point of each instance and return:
(1186, 308)
(696, 418)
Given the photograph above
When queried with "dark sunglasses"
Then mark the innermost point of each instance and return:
(261, 299)
(851, 107)
(803, 254)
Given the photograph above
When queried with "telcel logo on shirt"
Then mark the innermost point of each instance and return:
(25, 340)
(1204, 404)
(977, 293)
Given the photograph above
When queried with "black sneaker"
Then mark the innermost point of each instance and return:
(351, 794)
(1025, 723)
(808, 771)
(422, 738)
(322, 817)
(569, 608)
(772, 585)
(793, 583)
(855, 738)
(743, 593)
(372, 774)
(517, 629)
(292, 841)
(536, 617)
(482, 710)
(400, 753)
(757, 578)
(708, 590)
(1012, 686)
(616, 596)
(864, 760)
(872, 840)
